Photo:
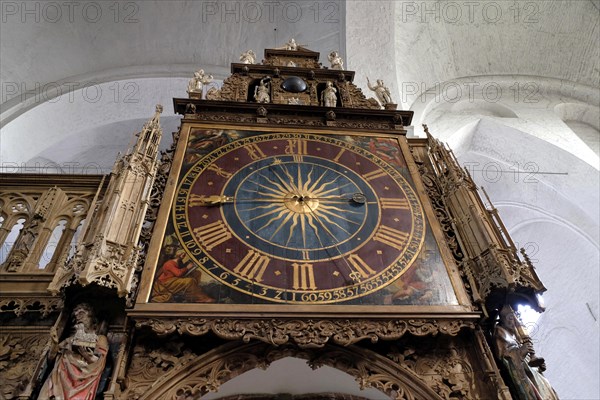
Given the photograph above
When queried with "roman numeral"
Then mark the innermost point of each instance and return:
(339, 155)
(390, 236)
(374, 174)
(398, 204)
(212, 235)
(255, 152)
(361, 269)
(219, 171)
(297, 148)
(252, 266)
(304, 277)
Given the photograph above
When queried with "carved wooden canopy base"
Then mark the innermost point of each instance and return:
(305, 333)
(180, 374)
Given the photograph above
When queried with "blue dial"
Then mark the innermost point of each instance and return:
(311, 208)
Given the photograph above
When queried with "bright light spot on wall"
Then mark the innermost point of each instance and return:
(529, 318)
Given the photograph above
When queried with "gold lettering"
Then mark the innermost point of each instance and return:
(297, 148)
(339, 155)
(212, 235)
(252, 266)
(374, 174)
(399, 204)
(304, 277)
(360, 266)
(390, 236)
(255, 152)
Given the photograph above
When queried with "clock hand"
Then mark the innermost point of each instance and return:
(358, 198)
(216, 200)
(354, 275)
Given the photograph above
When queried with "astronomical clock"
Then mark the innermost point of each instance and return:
(291, 217)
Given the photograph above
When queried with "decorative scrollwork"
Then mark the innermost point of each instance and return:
(306, 333)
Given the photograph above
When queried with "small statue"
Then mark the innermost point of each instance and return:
(248, 57)
(381, 92)
(329, 96)
(515, 354)
(291, 45)
(80, 362)
(335, 60)
(196, 84)
(261, 92)
(290, 63)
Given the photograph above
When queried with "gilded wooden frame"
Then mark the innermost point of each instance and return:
(143, 308)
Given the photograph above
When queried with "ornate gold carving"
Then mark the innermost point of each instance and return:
(305, 333)
(19, 355)
(235, 88)
(173, 372)
(491, 263)
(353, 97)
(447, 371)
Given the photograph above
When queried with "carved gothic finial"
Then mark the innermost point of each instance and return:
(109, 249)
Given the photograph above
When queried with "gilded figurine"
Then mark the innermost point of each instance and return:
(528, 382)
(80, 359)
(329, 95)
(248, 57)
(335, 60)
(261, 92)
(381, 92)
(196, 84)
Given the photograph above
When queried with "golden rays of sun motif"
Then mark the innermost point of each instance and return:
(308, 199)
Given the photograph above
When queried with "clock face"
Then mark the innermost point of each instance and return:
(298, 218)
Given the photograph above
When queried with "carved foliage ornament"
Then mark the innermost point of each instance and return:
(19, 355)
(305, 333)
(447, 371)
(175, 373)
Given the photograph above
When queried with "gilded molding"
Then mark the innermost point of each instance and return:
(305, 333)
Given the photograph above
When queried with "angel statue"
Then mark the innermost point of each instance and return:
(197, 83)
(248, 57)
(381, 92)
(335, 60)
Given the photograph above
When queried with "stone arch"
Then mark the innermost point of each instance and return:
(198, 375)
